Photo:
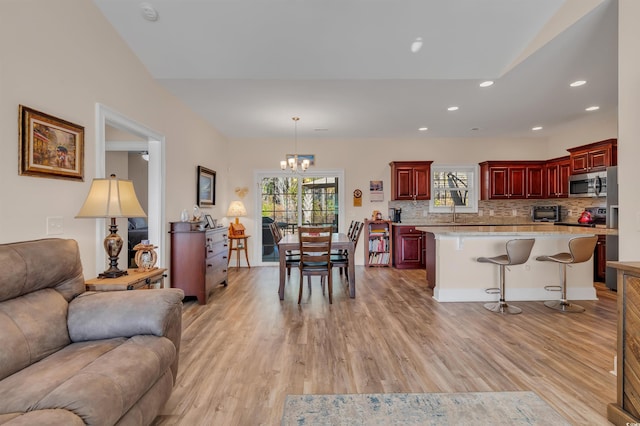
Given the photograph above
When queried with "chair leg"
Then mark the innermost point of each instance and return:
(330, 287)
(502, 307)
(301, 285)
(563, 304)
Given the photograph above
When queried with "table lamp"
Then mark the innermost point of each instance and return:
(111, 198)
(236, 209)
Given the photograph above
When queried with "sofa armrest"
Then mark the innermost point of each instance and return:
(104, 315)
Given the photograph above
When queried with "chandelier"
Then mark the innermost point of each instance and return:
(292, 161)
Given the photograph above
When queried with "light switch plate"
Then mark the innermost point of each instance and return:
(54, 225)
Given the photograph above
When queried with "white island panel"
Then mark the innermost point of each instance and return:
(459, 277)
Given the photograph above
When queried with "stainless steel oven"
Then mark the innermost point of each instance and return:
(588, 185)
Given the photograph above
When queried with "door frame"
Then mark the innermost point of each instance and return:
(155, 145)
(258, 175)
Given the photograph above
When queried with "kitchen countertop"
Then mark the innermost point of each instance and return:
(536, 229)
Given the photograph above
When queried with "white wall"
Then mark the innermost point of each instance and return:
(629, 128)
(592, 127)
(60, 57)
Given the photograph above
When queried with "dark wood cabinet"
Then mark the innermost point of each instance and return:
(410, 180)
(600, 260)
(198, 259)
(512, 180)
(594, 157)
(408, 248)
(557, 173)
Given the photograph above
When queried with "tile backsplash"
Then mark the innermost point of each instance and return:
(495, 211)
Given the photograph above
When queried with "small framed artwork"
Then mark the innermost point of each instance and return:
(211, 223)
(49, 146)
(302, 157)
(206, 187)
(376, 192)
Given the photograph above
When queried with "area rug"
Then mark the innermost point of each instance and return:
(471, 408)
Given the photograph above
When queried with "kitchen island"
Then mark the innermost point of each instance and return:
(455, 275)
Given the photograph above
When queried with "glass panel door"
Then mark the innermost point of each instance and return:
(291, 201)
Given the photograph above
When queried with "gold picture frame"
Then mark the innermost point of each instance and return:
(49, 147)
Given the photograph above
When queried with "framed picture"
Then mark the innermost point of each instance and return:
(301, 157)
(49, 146)
(211, 223)
(206, 187)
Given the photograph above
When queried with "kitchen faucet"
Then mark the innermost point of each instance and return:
(453, 212)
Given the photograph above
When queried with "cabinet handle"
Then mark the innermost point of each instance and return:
(224, 257)
(209, 265)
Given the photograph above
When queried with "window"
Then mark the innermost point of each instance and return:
(454, 186)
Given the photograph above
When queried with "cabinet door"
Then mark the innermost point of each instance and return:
(410, 255)
(552, 172)
(517, 182)
(422, 188)
(535, 182)
(599, 160)
(499, 181)
(564, 171)
(600, 265)
(404, 183)
(580, 163)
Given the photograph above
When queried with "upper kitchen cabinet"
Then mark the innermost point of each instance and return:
(512, 180)
(410, 180)
(594, 157)
(557, 177)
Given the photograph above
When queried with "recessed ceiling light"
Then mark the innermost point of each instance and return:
(536, 128)
(592, 108)
(321, 129)
(453, 108)
(423, 129)
(486, 83)
(475, 128)
(416, 45)
(578, 83)
(148, 12)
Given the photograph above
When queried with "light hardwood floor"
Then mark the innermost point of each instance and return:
(246, 350)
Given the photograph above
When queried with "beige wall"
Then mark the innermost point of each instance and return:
(629, 128)
(60, 57)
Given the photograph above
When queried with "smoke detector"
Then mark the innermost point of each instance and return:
(148, 12)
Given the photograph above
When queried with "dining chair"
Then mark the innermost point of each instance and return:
(341, 259)
(315, 256)
(292, 258)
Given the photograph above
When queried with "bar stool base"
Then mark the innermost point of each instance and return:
(563, 306)
(502, 308)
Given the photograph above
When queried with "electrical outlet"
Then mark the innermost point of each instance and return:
(514, 212)
(425, 213)
(491, 212)
(54, 225)
(480, 213)
(569, 212)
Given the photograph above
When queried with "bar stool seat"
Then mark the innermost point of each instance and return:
(580, 250)
(518, 252)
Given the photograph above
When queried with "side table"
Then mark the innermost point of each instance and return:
(132, 281)
(238, 243)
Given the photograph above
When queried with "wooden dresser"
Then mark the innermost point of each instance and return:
(626, 410)
(198, 259)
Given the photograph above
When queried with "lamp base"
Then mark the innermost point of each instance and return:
(112, 274)
(113, 245)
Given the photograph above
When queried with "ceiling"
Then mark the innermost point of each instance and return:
(345, 67)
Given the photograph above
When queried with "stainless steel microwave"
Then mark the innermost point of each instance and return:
(588, 185)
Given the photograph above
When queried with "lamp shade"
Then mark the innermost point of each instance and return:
(111, 198)
(236, 209)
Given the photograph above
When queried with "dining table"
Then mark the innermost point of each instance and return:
(339, 241)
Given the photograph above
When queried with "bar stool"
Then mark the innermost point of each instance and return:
(518, 252)
(580, 250)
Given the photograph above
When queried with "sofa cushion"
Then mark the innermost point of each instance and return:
(31, 327)
(44, 417)
(97, 380)
(34, 265)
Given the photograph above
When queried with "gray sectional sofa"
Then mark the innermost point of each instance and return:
(71, 357)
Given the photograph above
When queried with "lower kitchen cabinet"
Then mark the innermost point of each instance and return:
(408, 247)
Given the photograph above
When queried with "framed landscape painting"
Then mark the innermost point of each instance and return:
(206, 187)
(49, 146)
